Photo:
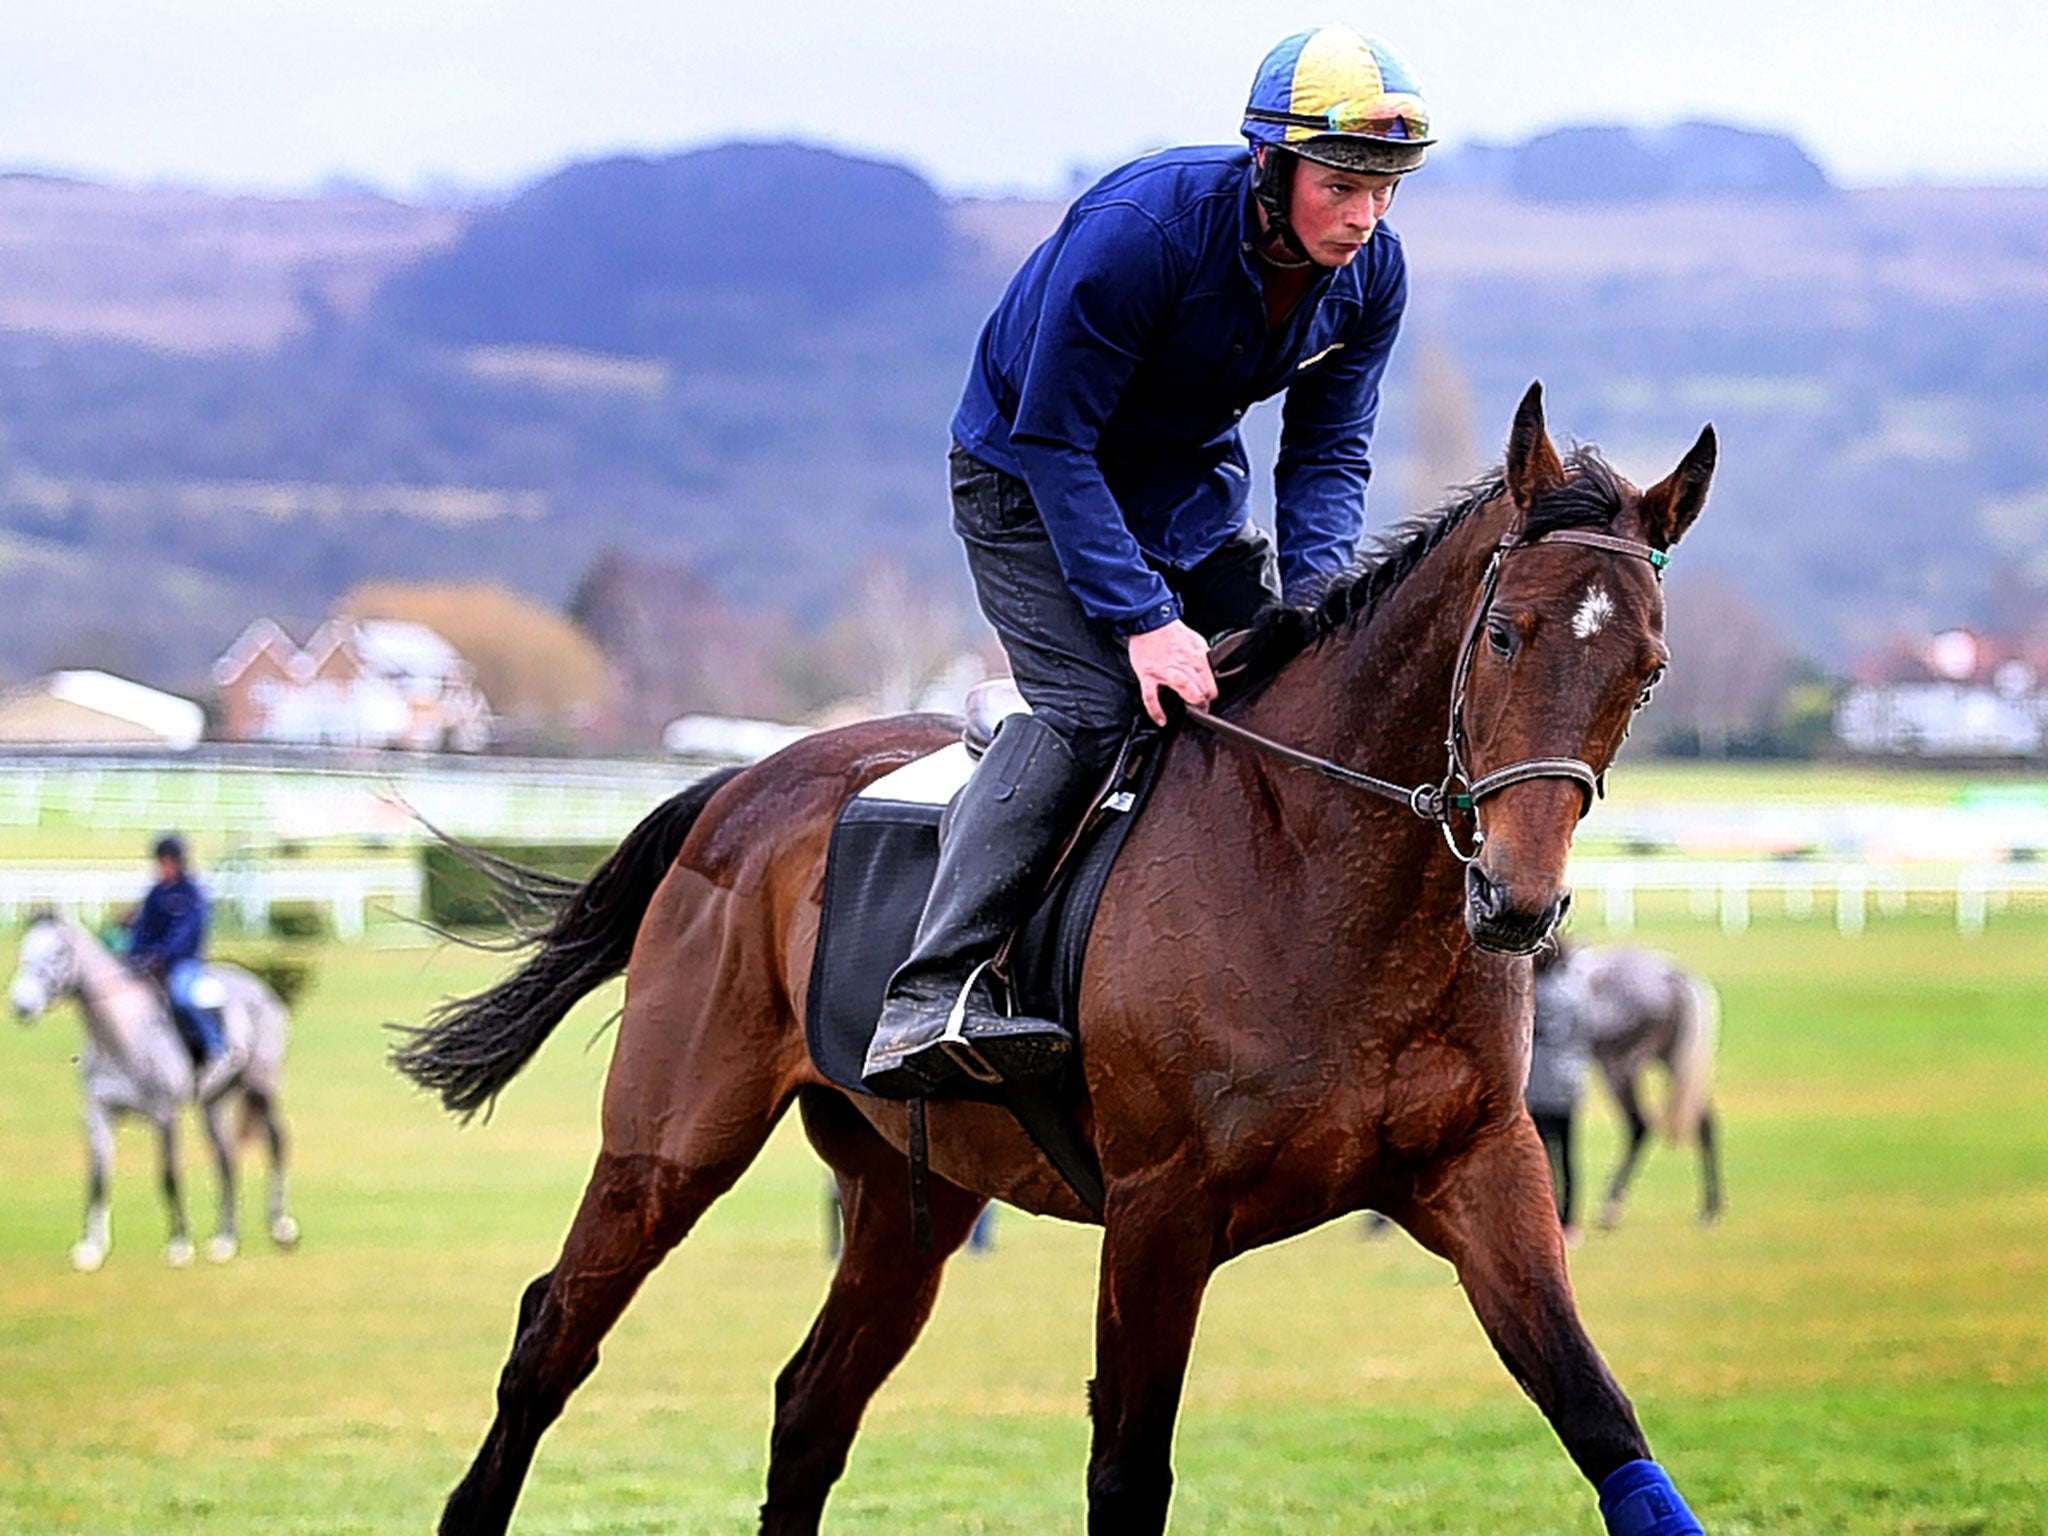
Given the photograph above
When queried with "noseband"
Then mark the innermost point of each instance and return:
(1458, 790)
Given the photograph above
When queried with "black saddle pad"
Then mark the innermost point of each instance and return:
(879, 867)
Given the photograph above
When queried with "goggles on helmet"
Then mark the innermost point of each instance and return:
(1401, 117)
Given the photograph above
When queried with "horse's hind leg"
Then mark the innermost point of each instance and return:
(882, 1292)
(1710, 1168)
(261, 1107)
(637, 1206)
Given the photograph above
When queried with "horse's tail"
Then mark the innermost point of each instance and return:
(581, 936)
(1692, 1057)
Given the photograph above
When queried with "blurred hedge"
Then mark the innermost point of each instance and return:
(288, 973)
(299, 920)
(458, 896)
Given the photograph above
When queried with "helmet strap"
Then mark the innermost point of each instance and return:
(1273, 187)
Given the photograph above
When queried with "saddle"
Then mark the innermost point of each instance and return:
(878, 870)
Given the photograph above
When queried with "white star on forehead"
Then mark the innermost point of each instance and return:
(1594, 612)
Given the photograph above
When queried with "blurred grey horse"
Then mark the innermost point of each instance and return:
(1637, 1007)
(134, 1063)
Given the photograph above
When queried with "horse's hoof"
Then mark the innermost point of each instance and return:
(1709, 1219)
(285, 1232)
(87, 1257)
(178, 1252)
(221, 1249)
(1610, 1216)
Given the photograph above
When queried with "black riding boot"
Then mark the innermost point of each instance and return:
(938, 1020)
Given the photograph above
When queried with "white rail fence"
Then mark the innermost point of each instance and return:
(1728, 891)
(238, 804)
(348, 892)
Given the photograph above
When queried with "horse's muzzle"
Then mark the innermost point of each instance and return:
(1496, 923)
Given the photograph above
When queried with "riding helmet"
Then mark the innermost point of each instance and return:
(1342, 100)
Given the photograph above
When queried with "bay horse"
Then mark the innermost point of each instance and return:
(1295, 1004)
(1637, 1007)
(135, 1063)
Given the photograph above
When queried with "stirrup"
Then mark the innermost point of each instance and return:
(953, 1041)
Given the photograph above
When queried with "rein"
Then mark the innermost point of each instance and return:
(1436, 802)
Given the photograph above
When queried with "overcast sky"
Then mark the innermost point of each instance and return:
(285, 94)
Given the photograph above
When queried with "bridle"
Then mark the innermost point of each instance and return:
(1459, 790)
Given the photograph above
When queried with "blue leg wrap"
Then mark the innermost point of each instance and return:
(1637, 1499)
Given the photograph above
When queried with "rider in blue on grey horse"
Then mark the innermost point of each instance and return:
(135, 1063)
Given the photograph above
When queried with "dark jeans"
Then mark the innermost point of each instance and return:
(1075, 672)
(1556, 1131)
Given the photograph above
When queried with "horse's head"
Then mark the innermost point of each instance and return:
(46, 970)
(1561, 657)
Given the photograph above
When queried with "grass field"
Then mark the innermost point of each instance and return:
(1861, 1348)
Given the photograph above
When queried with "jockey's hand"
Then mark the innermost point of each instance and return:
(1172, 656)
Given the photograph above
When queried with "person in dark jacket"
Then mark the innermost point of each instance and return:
(1558, 1056)
(1101, 486)
(168, 941)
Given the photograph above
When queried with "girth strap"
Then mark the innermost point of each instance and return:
(1050, 1124)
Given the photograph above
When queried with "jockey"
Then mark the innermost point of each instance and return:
(168, 941)
(1101, 486)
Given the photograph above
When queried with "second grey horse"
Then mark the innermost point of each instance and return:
(1637, 1007)
(134, 1063)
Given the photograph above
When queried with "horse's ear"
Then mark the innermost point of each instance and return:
(1670, 505)
(1533, 464)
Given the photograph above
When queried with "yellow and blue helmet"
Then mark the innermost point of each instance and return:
(1340, 99)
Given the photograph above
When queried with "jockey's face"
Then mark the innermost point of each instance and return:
(167, 870)
(1335, 212)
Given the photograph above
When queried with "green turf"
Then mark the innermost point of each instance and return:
(1861, 1348)
(1647, 780)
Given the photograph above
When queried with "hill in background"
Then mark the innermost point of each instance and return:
(741, 362)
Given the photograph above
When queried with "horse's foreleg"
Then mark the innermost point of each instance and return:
(1710, 1168)
(1491, 1213)
(178, 1247)
(226, 1241)
(90, 1252)
(1158, 1250)
(636, 1208)
(1638, 1129)
(882, 1292)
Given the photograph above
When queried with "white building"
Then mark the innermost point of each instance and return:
(97, 709)
(1957, 695)
(356, 683)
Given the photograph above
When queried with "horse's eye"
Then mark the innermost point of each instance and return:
(1503, 637)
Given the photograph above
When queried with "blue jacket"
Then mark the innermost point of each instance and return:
(171, 926)
(1112, 377)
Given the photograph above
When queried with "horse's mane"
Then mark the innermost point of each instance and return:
(1591, 497)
